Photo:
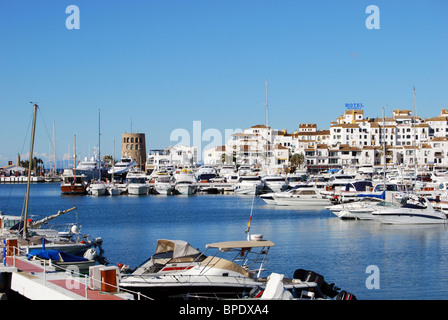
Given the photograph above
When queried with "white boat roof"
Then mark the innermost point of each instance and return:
(227, 245)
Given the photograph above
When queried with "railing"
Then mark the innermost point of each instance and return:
(11, 251)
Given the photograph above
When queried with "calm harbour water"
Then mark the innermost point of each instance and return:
(412, 260)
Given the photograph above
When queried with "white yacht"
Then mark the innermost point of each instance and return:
(123, 166)
(178, 270)
(361, 209)
(275, 183)
(248, 185)
(411, 213)
(98, 188)
(185, 182)
(162, 183)
(303, 198)
(89, 168)
(137, 185)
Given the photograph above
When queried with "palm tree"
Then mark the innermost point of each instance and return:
(37, 166)
(296, 161)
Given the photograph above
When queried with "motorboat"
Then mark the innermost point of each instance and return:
(69, 240)
(72, 183)
(97, 188)
(185, 182)
(137, 185)
(205, 173)
(161, 183)
(89, 168)
(62, 260)
(227, 170)
(178, 270)
(275, 183)
(113, 190)
(417, 212)
(352, 189)
(269, 198)
(293, 179)
(123, 166)
(248, 185)
(304, 198)
(361, 209)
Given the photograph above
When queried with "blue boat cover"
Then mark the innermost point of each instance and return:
(54, 255)
(379, 196)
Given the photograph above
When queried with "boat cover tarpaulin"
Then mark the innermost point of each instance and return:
(54, 255)
(178, 247)
(371, 195)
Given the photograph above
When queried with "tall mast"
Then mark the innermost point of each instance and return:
(384, 150)
(54, 148)
(415, 133)
(27, 197)
(74, 158)
(267, 123)
(99, 146)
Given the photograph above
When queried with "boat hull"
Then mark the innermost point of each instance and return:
(137, 189)
(406, 218)
(73, 189)
(302, 202)
(162, 288)
(186, 189)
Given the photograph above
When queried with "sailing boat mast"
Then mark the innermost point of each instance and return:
(267, 124)
(415, 133)
(27, 197)
(384, 150)
(99, 146)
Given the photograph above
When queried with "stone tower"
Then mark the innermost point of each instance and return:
(134, 145)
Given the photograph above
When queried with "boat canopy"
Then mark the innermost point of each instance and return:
(219, 263)
(228, 245)
(179, 248)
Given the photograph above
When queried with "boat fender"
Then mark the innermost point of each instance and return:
(90, 254)
(74, 229)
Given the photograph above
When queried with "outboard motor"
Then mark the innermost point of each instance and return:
(344, 295)
(323, 288)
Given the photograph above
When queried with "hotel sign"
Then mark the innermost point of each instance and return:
(354, 106)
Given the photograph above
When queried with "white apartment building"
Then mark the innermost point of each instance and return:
(258, 145)
(172, 156)
(352, 140)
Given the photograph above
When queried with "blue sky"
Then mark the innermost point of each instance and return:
(161, 65)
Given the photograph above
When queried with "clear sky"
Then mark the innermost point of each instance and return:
(162, 64)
